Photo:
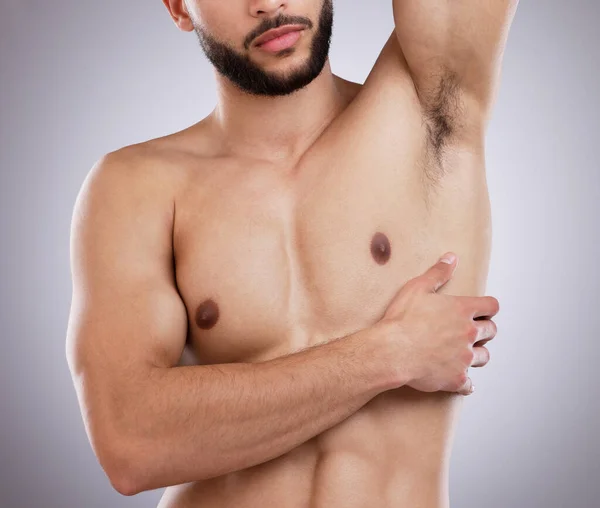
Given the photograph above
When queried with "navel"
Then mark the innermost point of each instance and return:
(207, 314)
(380, 248)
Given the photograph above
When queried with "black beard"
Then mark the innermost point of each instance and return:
(250, 78)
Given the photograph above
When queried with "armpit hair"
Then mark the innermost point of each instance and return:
(442, 109)
(443, 112)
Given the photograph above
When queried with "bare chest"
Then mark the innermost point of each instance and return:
(270, 261)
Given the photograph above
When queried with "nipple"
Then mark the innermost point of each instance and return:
(207, 314)
(380, 248)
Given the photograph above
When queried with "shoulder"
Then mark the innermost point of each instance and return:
(124, 210)
(134, 180)
(124, 177)
(153, 170)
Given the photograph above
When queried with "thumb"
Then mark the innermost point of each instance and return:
(440, 273)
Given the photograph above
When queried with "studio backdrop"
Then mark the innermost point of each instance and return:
(80, 79)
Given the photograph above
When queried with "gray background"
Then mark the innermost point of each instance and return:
(79, 79)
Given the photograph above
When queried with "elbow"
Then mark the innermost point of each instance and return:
(124, 485)
(124, 482)
(130, 463)
(123, 469)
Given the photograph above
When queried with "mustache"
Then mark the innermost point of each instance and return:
(270, 23)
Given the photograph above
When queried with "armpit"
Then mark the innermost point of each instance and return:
(443, 111)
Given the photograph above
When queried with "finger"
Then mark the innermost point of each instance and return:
(481, 306)
(440, 273)
(467, 388)
(486, 331)
(481, 356)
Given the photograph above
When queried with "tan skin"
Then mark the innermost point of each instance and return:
(335, 370)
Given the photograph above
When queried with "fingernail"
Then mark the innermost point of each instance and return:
(448, 258)
(472, 388)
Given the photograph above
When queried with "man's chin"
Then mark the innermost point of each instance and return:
(283, 63)
(277, 88)
(286, 73)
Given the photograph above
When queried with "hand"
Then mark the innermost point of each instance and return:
(434, 338)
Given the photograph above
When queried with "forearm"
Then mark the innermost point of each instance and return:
(200, 422)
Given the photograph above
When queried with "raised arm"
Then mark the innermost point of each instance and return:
(152, 423)
(454, 47)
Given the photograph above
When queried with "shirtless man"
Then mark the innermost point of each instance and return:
(290, 241)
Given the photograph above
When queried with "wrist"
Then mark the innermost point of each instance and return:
(386, 336)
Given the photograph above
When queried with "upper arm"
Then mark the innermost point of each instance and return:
(126, 313)
(454, 50)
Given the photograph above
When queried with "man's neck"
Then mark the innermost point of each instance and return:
(277, 129)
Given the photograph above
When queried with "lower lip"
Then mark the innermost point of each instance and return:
(283, 42)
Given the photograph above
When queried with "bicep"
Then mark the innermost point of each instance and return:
(454, 47)
(126, 314)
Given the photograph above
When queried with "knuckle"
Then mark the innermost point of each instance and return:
(429, 279)
(471, 331)
(462, 307)
(467, 358)
(467, 309)
(413, 284)
(460, 380)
